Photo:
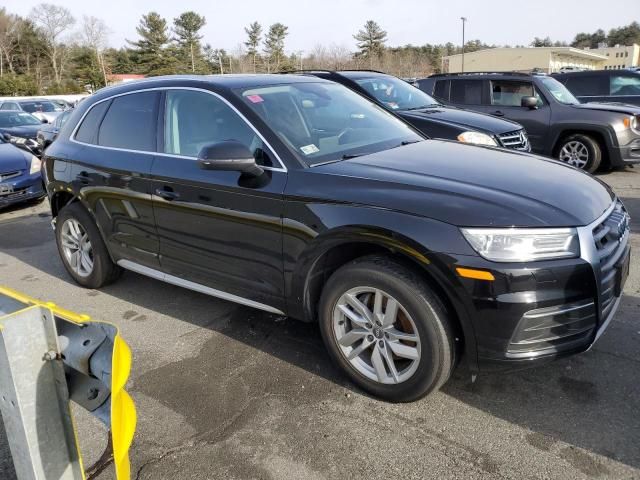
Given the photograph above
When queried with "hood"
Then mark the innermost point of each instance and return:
(467, 185)
(610, 107)
(463, 118)
(24, 131)
(12, 159)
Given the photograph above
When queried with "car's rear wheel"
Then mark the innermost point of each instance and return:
(387, 329)
(580, 151)
(82, 249)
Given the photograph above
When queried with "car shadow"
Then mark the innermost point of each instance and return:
(589, 401)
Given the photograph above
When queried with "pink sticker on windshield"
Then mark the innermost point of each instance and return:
(255, 98)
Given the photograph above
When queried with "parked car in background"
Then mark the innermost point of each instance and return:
(44, 110)
(603, 85)
(297, 196)
(428, 115)
(570, 68)
(63, 104)
(20, 176)
(49, 131)
(584, 135)
(21, 129)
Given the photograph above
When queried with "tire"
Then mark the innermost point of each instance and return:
(580, 151)
(420, 313)
(103, 271)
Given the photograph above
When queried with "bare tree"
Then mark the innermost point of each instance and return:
(53, 21)
(9, 32)
(95, 34)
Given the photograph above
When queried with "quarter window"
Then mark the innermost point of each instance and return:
(88, 130)
(130, 122)
(509, 93)
(194, 119)
(467, 92)
(9, 106)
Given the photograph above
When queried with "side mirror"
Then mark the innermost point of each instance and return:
(44, 120)
(529, 102)
(229, 155)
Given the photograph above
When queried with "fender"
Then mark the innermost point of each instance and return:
(309, 247)
(606, 132)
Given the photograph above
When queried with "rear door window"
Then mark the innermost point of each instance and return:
(130, 122)
(509, 93)
(466, 92)
(588, 85)
(625, 85)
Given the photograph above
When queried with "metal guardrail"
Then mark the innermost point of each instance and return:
(49, 356)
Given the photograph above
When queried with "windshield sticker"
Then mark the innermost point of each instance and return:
(255, 98)
(309, 149)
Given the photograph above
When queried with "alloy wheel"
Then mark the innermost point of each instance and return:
(575, 153)
(376, 335)
(77, 247)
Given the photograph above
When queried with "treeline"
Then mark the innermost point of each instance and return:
(50, 51)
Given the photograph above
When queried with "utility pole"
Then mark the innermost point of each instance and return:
(464, 20)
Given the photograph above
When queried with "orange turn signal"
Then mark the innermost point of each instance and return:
(626, 122)
(475, 274)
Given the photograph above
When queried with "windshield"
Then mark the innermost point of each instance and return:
(32, 107)
(324, 122)
(17, 119)
(559, 91)
(395, 93)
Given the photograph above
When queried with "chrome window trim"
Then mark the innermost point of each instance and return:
(181, 282)
(72, 137)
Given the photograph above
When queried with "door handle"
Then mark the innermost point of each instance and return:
(167, 193)
(497, 113)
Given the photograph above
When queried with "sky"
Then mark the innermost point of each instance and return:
(514, 22)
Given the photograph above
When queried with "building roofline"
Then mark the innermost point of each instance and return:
(572, 50)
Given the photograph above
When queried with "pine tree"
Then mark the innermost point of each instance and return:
(274, 44)
(254, 33)
(150, 52)
(187, 28)
(371, 40)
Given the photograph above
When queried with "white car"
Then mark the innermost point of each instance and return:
(41, 109)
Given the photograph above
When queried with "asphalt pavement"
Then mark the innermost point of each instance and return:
(227, 392)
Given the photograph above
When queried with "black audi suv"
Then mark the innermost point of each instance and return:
(299, 197)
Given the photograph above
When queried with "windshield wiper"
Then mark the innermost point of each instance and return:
(408, 142)
(431, 105)
(349, 156)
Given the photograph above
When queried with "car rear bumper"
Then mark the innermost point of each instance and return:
(532, 313)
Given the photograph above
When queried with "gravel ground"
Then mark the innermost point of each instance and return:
(224, 391)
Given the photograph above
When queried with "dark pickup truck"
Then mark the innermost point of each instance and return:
(585, 135)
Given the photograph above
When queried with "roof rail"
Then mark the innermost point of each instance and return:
(459, 74)
(311, 70)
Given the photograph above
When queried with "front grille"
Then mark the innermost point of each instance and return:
(16, 194)
(516, 140)
(611, 238)
(9, 175)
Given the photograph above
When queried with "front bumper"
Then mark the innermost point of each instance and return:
(24, 188)
(534, 312)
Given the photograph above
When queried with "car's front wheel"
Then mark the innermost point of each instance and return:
(82, 249)
(580, 151)
(387, 329)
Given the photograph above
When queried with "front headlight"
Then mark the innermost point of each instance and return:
(477, 138)
(635, 124)
(36, 165)
(522, 245)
